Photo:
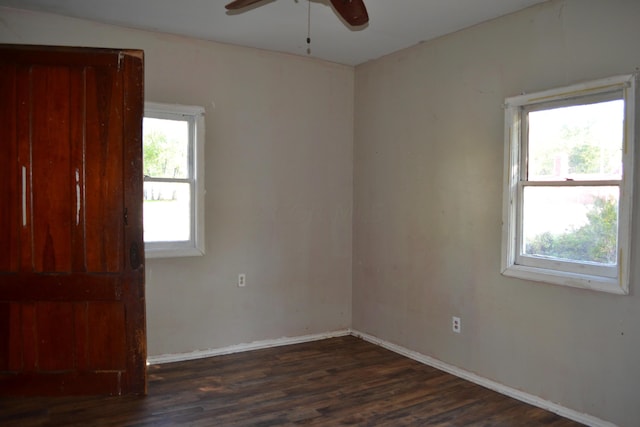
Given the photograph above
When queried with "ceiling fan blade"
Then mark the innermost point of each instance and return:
(239, 4)
(353, 11)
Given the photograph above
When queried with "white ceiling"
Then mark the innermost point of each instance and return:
(281, 25)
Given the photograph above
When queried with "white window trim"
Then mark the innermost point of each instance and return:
(195, 246)
(616, 283)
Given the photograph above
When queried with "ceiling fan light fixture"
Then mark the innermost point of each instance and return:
(353, 12)
(239, 4)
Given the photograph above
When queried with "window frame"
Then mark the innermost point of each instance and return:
(194, 116)
(574, 274)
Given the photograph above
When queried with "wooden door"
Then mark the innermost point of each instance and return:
(72, 317)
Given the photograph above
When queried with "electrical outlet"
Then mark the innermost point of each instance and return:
(242, 280)
(456, 324)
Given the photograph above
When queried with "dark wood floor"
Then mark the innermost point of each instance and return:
(338, 381)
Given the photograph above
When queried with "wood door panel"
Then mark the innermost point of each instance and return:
(5, 332)
(104, 201)
(28, 335)
(23, 140)
(96, 338)
(72, 315)
(77, 126)
(106, 340)
(11, 337)
(61, 384)
(50, 168)
(59, 287)
(69, 135)
(10, 209)
(55, 351)
(80, 332)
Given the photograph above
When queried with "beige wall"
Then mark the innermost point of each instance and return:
(279, 156)
(428, 174)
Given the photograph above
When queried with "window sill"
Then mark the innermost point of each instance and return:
(172, 253)
(581, 281)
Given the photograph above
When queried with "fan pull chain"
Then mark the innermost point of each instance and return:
(309, 27)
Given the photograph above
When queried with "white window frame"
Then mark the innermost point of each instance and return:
(194, 115)
(574, 274)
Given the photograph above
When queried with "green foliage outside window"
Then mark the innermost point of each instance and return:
(596, 241)
(162, 157)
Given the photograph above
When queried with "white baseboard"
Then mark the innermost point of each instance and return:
(257, 345)
(485, 382)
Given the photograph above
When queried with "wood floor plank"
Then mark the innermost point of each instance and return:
(338, 381)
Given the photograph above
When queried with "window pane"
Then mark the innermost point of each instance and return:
(571, 223)
(166, 147)
(580, 142)
(166, 212)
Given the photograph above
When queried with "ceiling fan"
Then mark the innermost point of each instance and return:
(352, 11)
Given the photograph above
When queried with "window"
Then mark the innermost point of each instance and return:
(568, 193)
(173, 146)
